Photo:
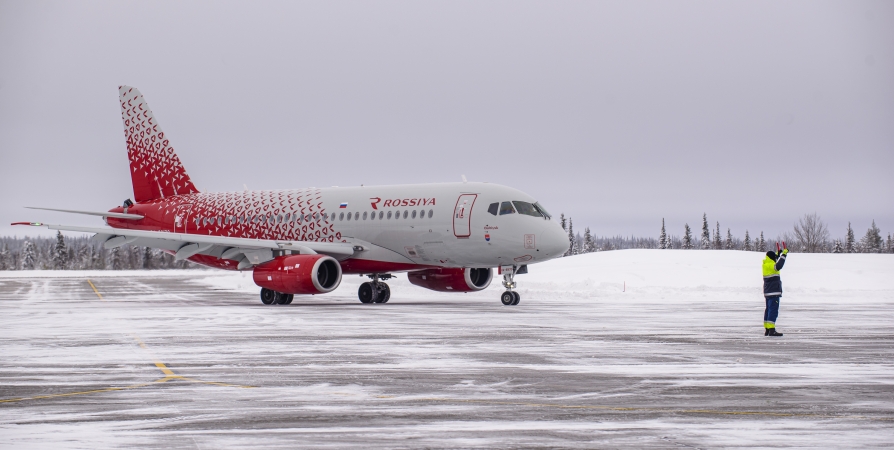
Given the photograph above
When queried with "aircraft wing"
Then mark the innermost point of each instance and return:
(249, 252)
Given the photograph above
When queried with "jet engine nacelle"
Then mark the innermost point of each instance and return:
(452, 280)
(299, 274)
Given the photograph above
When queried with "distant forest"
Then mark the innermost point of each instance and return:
(81, 253)
(809, 235)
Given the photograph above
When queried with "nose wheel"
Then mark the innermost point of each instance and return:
(510, 297)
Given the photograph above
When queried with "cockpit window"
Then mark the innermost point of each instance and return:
(526, 209)
(506, 208)
(542, 210)
(493, 208)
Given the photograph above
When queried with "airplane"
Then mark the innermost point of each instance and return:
(446, 237)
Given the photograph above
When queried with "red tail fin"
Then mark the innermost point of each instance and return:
(155, 169)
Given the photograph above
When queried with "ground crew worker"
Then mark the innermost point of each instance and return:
(773, 288)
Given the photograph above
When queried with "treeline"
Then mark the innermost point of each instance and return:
(81, 253)
(809, 235)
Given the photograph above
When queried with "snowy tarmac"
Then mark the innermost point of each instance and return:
(631, 349)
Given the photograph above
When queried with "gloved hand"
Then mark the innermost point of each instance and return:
(785, 251)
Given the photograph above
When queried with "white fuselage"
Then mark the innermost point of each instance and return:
(444, 224)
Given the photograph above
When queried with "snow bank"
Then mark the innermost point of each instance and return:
(654, 275)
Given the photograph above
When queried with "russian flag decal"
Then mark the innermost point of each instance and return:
(343, 205)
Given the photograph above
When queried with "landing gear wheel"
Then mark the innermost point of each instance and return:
(367, 293)
(517, 298)
(384, 293)
(508, 298)
(291, 297)
(267, 296)
(284, 299)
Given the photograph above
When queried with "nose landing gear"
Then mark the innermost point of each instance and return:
(375, 291)
(510, 297)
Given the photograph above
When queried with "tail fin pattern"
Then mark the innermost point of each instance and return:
(155, 169)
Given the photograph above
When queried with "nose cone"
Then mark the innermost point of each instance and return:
(555, 241)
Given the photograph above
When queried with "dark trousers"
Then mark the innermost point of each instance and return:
(771, 312)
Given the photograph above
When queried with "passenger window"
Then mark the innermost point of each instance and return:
(430, 212)
(526, 208)
(364, 215)
(506, 208)
(357, 215)
(413, 216)
(493, 207)
(389, 215)
(405, 214)
(381, 214)
(349, 216)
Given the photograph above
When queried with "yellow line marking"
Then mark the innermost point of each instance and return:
(69, 394)
(634, 409)
(95, 290)
(164, 369)
(169, 374)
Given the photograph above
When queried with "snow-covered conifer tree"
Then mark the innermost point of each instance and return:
(60, 253)
(890, 245)
(837, 247)
(115, 258)
(706, 233)
(746, 244)
(872, 241)
(718, 243)
(849, 240)
(29, 256)
(570, 238)
(761, 244)
(589, 245)
(662, 238)
(146, 263)
(562, 221)
(4, 256)
(686, 243)
(82, 258)
(729, 240)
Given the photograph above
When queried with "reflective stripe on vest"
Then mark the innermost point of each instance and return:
(769, 268)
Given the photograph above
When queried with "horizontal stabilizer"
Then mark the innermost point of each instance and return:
(93, 213)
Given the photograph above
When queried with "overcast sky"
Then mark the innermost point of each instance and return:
(615, 113)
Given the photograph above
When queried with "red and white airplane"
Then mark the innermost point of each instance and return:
(445, 236)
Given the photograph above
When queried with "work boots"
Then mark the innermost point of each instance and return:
(772, 332)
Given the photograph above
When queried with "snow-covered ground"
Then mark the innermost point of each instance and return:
(634, 348)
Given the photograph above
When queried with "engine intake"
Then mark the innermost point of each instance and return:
(299, 274)
(452, 280)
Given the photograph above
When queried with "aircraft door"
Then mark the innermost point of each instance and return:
(181, 218)
(462, 215)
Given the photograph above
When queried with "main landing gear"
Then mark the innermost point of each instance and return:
(375, 291)
(510, 297)
(271, 297)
